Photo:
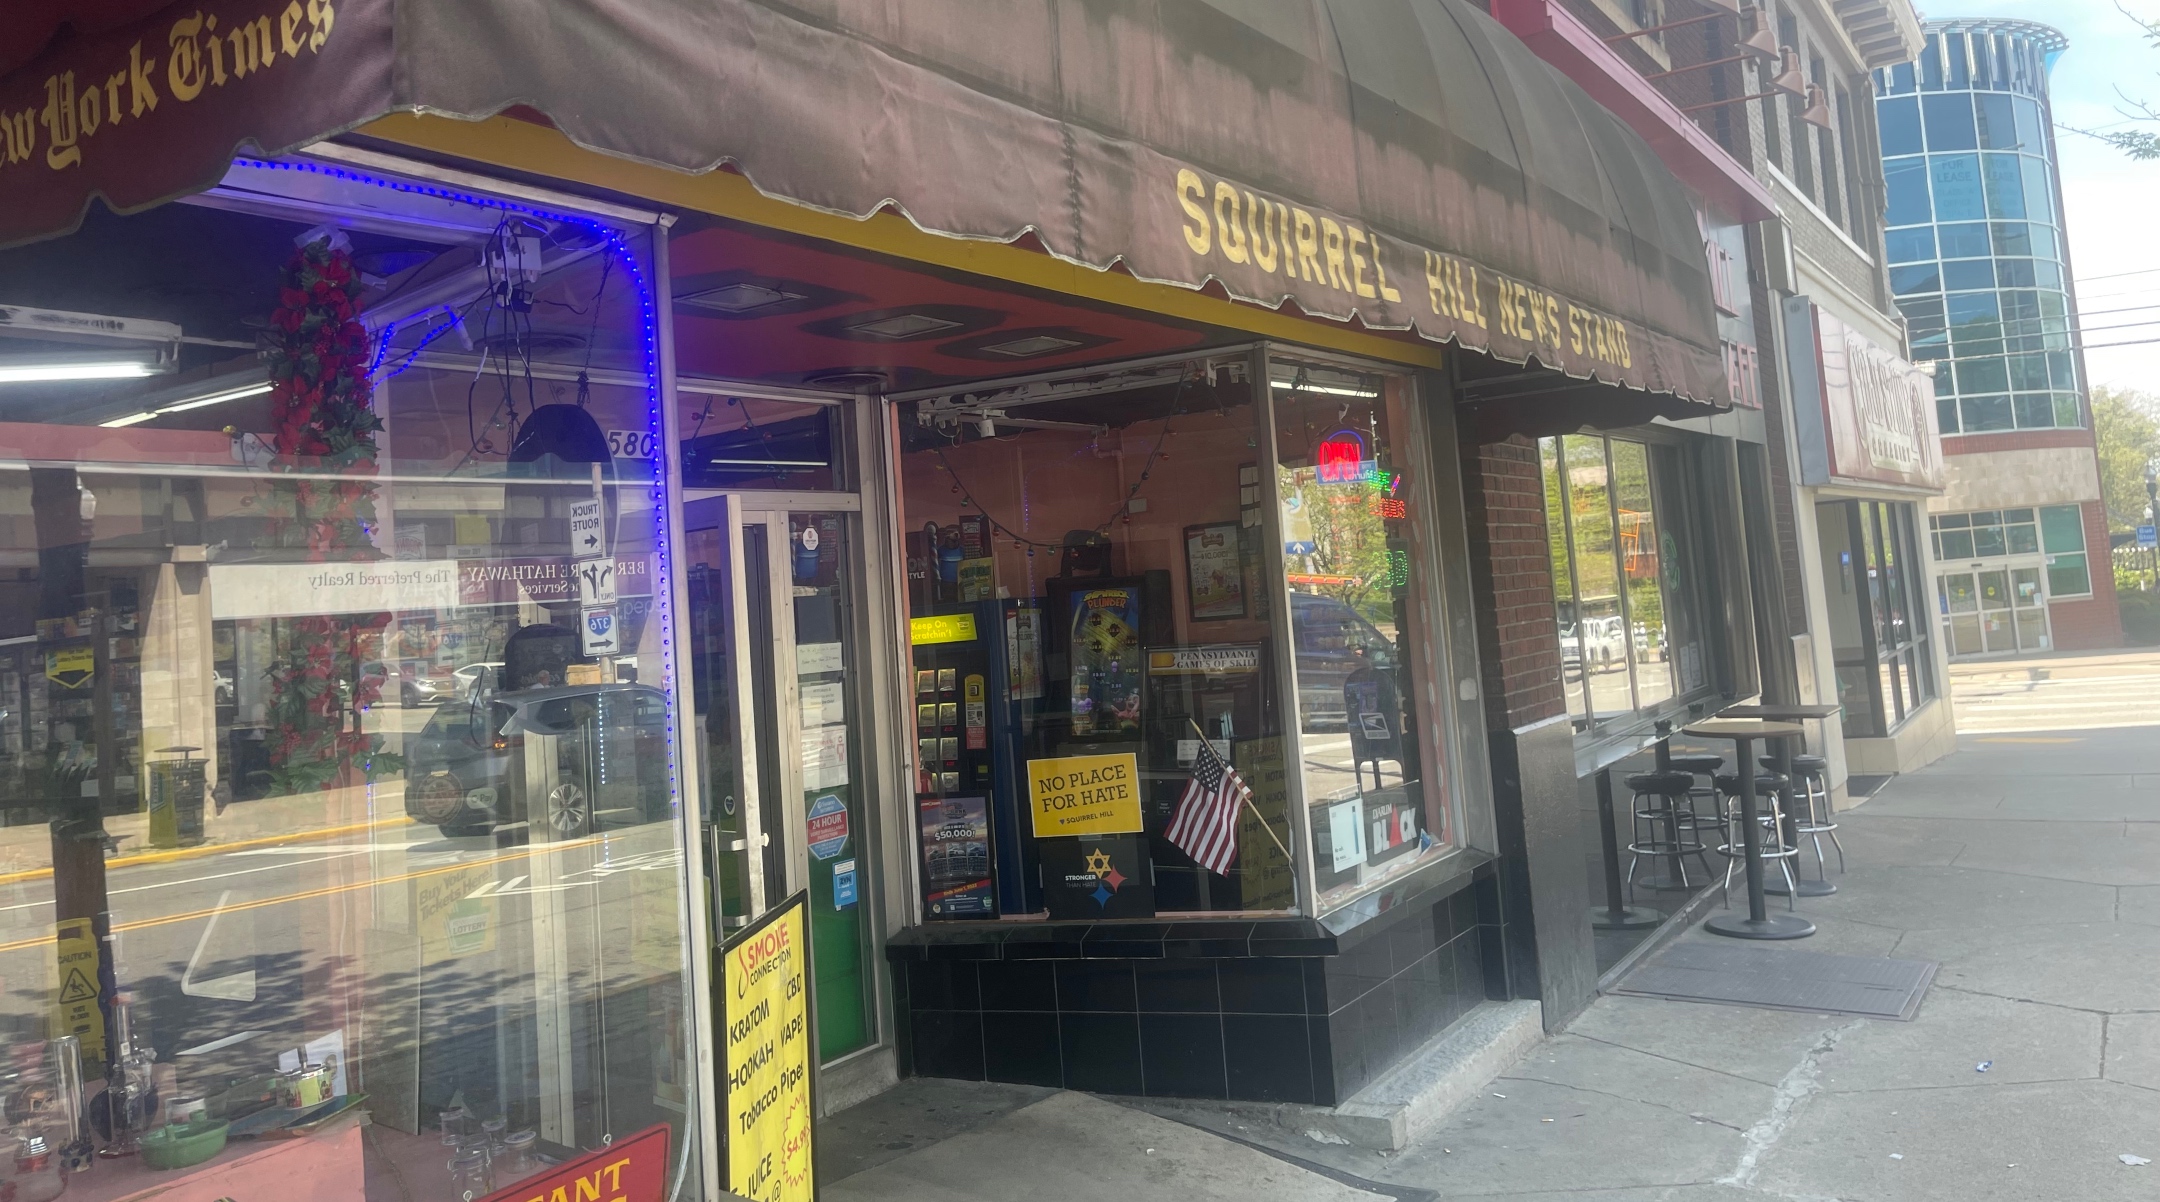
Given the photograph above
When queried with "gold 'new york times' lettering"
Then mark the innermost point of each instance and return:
(1226, 221)
(201, 50)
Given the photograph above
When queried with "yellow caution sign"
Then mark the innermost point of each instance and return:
(75, 992)
(766, 1006)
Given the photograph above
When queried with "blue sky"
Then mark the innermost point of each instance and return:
(2108, 201)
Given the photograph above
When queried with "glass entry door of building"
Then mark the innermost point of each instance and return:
(774, 608)
(1994, 610)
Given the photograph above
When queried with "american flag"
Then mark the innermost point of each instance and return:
(1206, 824)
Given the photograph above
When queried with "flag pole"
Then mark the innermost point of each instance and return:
(1245, 795)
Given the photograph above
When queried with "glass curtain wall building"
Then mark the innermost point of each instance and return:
(1974, 236)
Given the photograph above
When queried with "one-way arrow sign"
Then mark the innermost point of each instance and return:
(595, 583)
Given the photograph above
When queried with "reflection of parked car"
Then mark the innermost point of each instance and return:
(473, 676)
(1333, 640)
(1650, 645)
(464, 771)
(398, 682)
(1599, 641)
(434, 687)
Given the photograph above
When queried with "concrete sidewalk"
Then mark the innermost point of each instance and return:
(2027, 865)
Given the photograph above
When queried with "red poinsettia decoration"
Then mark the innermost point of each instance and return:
(322, 404)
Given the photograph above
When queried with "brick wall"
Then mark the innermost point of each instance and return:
(2097, 623)
(2014, 440)
(1511, 576)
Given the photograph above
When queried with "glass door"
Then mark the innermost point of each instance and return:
(1997, 630)
(774, 631)
(1958, 596)
(2028, 607)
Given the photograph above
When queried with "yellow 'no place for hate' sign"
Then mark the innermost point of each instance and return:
(1085, 795)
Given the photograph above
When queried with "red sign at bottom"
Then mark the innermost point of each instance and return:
(628, 1170)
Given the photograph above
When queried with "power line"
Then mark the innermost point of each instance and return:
(2116, 275)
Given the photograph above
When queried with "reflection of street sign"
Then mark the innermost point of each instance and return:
(597, 628)
(71, 667)
(595, 582)
(2148, 537)
(587, 538)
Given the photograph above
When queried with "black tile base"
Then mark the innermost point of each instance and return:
(1271, 1011)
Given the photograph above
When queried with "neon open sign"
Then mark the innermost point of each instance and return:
(1340, 459)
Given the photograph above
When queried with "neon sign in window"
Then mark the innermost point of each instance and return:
(1340, 459)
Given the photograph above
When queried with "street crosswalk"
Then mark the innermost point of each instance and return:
(2059, 696)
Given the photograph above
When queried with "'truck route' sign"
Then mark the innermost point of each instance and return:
(768, 1113)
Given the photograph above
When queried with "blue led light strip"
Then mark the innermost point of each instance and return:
(648, 338)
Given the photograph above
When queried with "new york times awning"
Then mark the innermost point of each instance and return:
(1406, 162)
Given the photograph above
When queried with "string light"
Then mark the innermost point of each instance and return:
(1124, 509)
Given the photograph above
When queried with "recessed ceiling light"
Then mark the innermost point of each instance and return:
(1031, 347)
(738, 298)
(129, 420)
(905, 325)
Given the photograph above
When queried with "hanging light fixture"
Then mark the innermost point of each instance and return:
(1817, 112)
(1789, 80)
(1760, 42)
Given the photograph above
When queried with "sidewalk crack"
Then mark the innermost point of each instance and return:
(2006, 997)
(1803, 1082)
(1708, 1068)
(1696, 1115)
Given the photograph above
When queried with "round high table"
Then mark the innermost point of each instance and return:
(1759, 923)
(1820, 886)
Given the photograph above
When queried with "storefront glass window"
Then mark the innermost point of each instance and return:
(1094, 606)
(1087, 583)
(1361, 605)
(736, 442)
(1878, 637)
(1625, 582)
(2062, 536)
(334, 668)
(1564, 590)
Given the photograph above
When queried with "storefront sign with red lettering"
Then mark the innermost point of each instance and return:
(628, 1170)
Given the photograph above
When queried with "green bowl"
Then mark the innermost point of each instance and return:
(177, 1147)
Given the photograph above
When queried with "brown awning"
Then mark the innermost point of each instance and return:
(1405, 162)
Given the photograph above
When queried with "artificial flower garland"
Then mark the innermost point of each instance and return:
(322, 407)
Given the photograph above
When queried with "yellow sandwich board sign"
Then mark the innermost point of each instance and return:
(771, 1052)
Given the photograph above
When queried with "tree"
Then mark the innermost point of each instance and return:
(2126, 427)
(2141, 144)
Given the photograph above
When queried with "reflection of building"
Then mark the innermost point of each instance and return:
(1981, 269)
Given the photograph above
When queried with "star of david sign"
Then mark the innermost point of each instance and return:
(1098, 861)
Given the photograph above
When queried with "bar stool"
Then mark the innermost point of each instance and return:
(1768, 787)
(1661, 801)
(1817, 818)
(1705, 766)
